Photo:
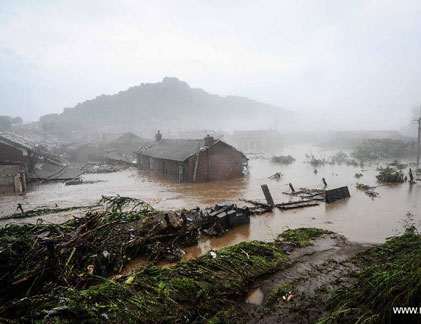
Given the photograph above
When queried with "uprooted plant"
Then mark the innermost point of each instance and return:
(40, 256)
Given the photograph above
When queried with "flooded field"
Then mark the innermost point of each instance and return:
(359, 218)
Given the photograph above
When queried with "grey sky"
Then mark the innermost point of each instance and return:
(357, 62)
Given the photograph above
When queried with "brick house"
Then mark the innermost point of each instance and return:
(192, 160)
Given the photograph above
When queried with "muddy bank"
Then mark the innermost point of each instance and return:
(205, 288)
(306, 275)
(298, 294)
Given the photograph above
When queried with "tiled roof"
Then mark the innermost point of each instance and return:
(22, 141)
(173, 149)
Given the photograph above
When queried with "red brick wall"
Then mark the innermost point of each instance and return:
(219, 162)
(224, 162)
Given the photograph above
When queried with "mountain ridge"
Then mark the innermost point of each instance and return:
(171, 103)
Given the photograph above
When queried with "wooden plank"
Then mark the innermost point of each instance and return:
(267, 194)
(297, 204)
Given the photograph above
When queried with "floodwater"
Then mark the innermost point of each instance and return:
(359, 218)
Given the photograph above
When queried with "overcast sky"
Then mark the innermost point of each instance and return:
(357, 62)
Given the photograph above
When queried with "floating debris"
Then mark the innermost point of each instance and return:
(336, 194)
(276, 176)
(368, 190)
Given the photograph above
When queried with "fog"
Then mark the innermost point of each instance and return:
(336, 64)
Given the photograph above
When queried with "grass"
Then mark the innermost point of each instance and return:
(203, 289)
(391, 277)
(273, 298)
(39, 257)
(301, 236)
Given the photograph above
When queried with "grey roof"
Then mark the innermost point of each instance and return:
(173, 149)
(20, 140)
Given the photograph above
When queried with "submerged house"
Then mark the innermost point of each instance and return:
(192, 160)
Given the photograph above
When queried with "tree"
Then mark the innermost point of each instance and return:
(5, 123)
(17, 120)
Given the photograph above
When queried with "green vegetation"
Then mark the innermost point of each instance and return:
(301, 236)
(204, 288)
(313, 160)
(283, 291)
(283, 159)
(38, 257)
(342, 158)
(391, 278)
(390, 175)
(378, 149)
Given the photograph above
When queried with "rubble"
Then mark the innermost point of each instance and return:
(308, 194)
(215, 221)
(33, 255)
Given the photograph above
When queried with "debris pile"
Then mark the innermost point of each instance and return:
(99, 243)
(199, 290)
(308, 194)
(215, 221)
(283, 159)
(390, 175)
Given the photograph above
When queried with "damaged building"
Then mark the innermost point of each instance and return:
(192, 160)
(17, 159)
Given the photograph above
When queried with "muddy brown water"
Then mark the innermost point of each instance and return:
(359, 218)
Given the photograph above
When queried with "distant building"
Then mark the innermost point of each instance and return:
(189, 160)
(126, 145)
(257, 141)
(17, 158)
(17, 148)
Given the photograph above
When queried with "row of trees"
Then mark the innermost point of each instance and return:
(6, 122)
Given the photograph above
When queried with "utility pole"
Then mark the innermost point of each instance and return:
(419, 139)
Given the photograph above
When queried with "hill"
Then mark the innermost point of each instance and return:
(169, 104)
